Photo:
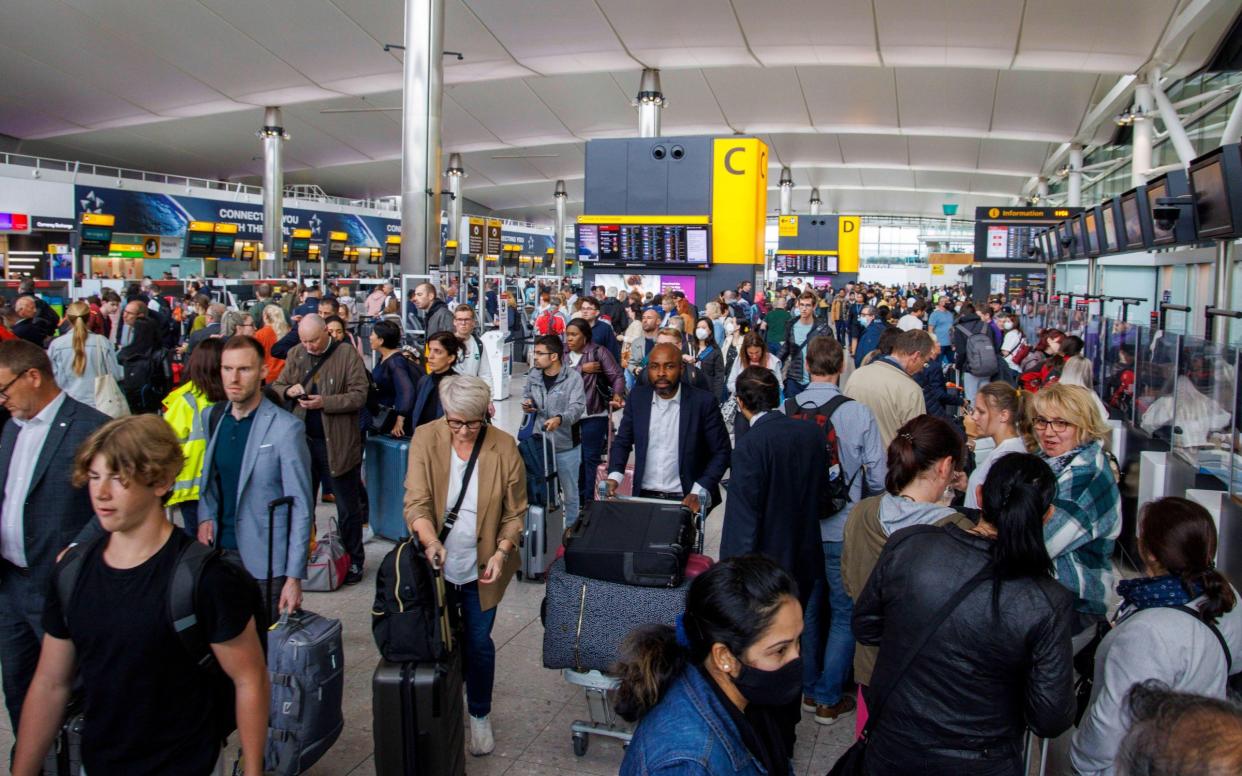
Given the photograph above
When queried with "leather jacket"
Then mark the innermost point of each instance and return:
(987, 673)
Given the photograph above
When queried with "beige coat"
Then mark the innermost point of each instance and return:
(891, 395)
(502, 494)
(342, 382)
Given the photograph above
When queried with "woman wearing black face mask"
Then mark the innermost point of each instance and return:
(712, 693)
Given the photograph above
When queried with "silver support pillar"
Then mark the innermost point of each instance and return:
(1074, 183)
(815, 203)
(421, 99)
(1233, 128)
(273, 136)
(786, 191)
(1140, 163)
(453, 175)
(650, 102)
(558, 239)
(1041, 189)
(1223, 299)
(1172, 123)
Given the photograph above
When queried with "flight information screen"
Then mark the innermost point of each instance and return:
(805, 264)
(1011, 242)
(198, 243)
(636, 245)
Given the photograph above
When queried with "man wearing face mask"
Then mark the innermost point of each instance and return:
(871, 325)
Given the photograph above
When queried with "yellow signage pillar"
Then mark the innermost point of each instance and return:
(739, 200)
(847, 243)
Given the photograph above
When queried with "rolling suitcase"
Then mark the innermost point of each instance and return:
(417, 718)
(387, 460)
(545, 515)
(585, 620)
(65, 756)
(306, 666)
(632, 541)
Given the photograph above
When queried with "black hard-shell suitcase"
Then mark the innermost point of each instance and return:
(418, 718)
(632, 541)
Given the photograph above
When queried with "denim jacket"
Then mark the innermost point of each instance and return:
(689, 733)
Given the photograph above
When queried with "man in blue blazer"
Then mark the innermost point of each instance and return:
(681, 448)
(41, 512)
(256, 453)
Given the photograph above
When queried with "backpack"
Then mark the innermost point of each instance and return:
(835, 495)
(549, 322)
(182, 591)
(409, 619)
(980, 351)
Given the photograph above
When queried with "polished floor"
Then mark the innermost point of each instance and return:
(533, 706)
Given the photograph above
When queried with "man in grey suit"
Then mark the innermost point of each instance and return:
(256, 453)
(41, 511)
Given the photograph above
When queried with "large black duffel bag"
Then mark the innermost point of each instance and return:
(632, 541)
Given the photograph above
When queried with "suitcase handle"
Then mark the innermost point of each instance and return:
(272, 506)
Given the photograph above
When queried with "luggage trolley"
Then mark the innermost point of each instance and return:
(599, 686)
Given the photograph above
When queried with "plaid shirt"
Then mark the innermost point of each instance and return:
(1086, 521)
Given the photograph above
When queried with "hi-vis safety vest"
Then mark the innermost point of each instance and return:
(184, 412)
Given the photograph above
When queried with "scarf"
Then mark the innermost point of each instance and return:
(1151, 592)
(1059, 463)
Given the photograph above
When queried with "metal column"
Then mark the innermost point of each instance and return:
(1233, 128)
(558, 239)
(786, 191)
(273, 136)
(1140, 163)
(1074, 182)
(650, 102)
(1172, 123)
(815, 203)
(422, 95)
(454, 174)
(1224, 290)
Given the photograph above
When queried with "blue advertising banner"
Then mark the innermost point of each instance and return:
(532, 244)
(143, 212)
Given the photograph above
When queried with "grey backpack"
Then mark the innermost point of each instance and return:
(306, 664)
(980, 351)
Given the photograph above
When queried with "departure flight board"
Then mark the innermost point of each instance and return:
(805, 264)
(638, 245)
(1011, 242)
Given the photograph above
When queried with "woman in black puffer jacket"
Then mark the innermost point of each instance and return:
(999, 663)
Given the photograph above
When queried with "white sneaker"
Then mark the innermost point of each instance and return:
(481, 740)
(367, 533)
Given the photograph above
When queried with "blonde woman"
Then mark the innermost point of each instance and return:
(275, 327)
(79, 356)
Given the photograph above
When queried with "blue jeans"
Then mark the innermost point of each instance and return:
(189, 516)
(567, 471)
(479, 651)
(594, 438)
(838, 649)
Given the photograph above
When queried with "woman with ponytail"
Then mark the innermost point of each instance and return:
(78, 356)
(709, 695)
(1179, 623)
(999, 412)
(1001, 659)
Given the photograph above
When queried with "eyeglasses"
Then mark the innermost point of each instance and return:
(1059, 426)
(542, 352)
(4, 392)
(458, 425)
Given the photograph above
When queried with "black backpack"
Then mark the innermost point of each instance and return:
(410, 619)
(182, 592)
(835, 495)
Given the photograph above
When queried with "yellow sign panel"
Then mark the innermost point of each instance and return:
(338, 236)
(643, 220)
(393, 239)
(98, 219)
(302, 233)
(201, 226)
(739, 200)
(848, 228)
(787, 226)
(226, 228)
(937, 269)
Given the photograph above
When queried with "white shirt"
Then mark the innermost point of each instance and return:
(1010, 345)
(26, 453)
(1015, 445)
(662, 470)
(462, 546)
(910, 322)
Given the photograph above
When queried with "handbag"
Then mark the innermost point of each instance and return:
(729, 411)
(851, 763)
(108, 396)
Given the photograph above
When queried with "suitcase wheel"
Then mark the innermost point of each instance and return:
(518, 574)
(580, 744)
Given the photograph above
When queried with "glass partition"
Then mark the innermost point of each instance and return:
(1116, 367)
(1204, 407)
(1155, 373)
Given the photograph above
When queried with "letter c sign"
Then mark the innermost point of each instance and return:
(728, 160)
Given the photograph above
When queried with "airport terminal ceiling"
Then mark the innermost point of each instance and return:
(887, 106)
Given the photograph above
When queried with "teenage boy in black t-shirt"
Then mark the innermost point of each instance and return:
(148, 708)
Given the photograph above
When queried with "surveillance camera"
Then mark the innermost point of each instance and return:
(1166, 216)
(1033, 250)
(1067, 240)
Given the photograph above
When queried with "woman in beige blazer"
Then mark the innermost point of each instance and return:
(479, 555)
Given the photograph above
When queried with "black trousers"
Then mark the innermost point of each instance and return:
(21, 631)
(349, 494)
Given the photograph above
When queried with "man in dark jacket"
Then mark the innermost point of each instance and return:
(40, 508)
(872, 326)
(431, 313)
(30, 326)
(144, 359)
(968, 323)
(615, 310)
(941, 400)
(43, 309)
(601, 333)
(799, 332)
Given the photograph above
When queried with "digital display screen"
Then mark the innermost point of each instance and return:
(805, 264)
(222, 245)
(299, 248)
(336, 250)
(96, 240)
(1093, 234)
(1212, 199)
(1133, 224)
(1155, 193)
(392, 253)
(198, 243)
(644, 244)
(1108, 235)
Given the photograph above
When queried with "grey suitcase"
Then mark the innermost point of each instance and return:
(585, 620)
(306, 664)
(545, 525)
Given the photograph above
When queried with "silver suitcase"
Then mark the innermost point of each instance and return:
(545, 525)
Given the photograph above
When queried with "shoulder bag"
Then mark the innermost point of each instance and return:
(852, 762)
(108, 396)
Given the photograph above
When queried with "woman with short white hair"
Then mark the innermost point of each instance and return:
(465, 501)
